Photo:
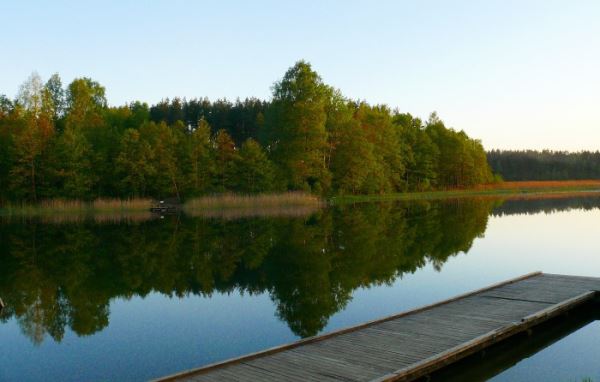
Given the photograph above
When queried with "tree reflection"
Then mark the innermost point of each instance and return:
(64, 276)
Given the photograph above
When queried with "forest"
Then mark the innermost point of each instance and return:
(545, 165)
(66, 142)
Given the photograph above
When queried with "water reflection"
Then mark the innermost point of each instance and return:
(64, 276)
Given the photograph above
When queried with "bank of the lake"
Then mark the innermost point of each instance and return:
(291, 203)
(510, 190)
(270, 204)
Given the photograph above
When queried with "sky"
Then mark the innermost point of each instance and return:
(515, 74)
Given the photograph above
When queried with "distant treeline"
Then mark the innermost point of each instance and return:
(68, 143)
(545, 165)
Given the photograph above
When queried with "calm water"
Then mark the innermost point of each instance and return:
(578, 352)
(131, 300)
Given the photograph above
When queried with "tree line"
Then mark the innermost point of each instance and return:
(67, 142)
(545, 165)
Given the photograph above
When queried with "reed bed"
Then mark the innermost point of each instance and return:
(252, 202)
(56, 207)
(226, 206)
(262, 212)
(138, 204)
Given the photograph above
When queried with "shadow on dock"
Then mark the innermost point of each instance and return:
(504, 355)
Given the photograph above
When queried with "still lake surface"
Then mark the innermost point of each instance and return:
(134, 299)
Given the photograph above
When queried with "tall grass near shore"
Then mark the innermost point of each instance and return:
(228, 206)
(64, 207)
(234, 206)
(236, 201)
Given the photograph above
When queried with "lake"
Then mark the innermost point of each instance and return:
(134, 298)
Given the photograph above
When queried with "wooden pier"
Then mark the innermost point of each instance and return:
(412, 344)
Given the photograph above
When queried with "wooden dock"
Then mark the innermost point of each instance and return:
(412, 344)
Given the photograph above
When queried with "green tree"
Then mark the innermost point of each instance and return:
(295, 129)
(201, 159)
(74, 173)
(134, 164)
(460, 160)
(55, 91)
(85, 102)
(164, 141)
(421, 153)
(381, 132)
(30, 143)
(8, 124)
(85, 108)
(353, 160)
(226, 157)
(253, 170)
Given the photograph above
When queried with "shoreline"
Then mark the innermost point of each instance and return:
(290, 200)
(510, 190)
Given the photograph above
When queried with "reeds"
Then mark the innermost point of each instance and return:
(235, 206)
(260, 201)
(68, 210)
(137, 204)
(226, 206)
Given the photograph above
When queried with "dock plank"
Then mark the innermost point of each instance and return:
(411, 344)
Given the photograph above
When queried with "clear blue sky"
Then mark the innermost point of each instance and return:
(516, 74)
